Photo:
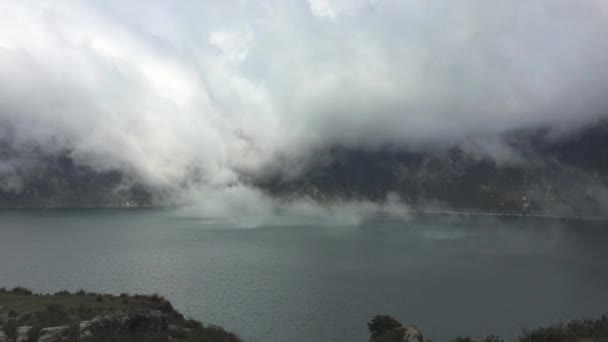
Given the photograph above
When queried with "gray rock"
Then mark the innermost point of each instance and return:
(412, 334)
(22, 333)
(84, 329)
(54, 334)
(154, 321)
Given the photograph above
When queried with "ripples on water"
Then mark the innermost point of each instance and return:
(450, 276)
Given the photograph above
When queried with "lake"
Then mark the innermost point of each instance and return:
(448, 275)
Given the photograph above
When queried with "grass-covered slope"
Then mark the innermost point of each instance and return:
(83, 316)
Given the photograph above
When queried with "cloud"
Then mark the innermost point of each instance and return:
(233, 43)
(244, 207)
(171, 91)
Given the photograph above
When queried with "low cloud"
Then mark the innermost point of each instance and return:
(213, 90)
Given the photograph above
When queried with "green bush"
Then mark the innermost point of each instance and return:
(21, 291)
(392, 335)
(33, 334)
(156, 298)
(382, 323)
(192, 324)
(213, 334)
(580, 329)
(11, 329)
(55, 308)
(462, 339)
(489, 338)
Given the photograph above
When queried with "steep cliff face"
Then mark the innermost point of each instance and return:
(561, 175)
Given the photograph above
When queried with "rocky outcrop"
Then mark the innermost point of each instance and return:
(411, 334)
(66, 317)
(23, 333)
(54, 334)
(152, 322)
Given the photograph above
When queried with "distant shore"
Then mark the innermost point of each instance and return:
(414, 212)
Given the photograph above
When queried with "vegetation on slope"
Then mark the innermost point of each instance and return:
(88, 316)
(384, 328)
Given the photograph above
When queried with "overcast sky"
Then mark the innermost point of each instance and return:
(162, 88)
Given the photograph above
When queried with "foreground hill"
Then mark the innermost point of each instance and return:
(92, 317)
(81, 316)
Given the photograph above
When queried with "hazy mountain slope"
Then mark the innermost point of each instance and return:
(562, 175)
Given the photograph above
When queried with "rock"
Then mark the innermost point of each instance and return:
(53, 334)
(412, 334)
(3, 337)
(132, 322)
(22, 333)
(84, 329)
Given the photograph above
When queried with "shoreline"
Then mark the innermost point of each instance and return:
(409, 212)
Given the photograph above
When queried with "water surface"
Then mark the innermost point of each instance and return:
(449, 276)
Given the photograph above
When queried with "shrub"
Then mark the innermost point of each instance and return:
(53, 315)
(33, 334)
(580, 329)
(156, 298)
(493, 338)
(166, 307)
(55, 308)
(11, 329)
(21, 291)
(489, 338)
(213, 334)
(393, 335)
(85, 312)
(382, 323)
(81, 292)
(192, 324)
(63, 293)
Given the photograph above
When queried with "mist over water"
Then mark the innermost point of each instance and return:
(249, 207)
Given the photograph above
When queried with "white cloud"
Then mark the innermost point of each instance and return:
(168, 90)
(234, 44)
(322, 9)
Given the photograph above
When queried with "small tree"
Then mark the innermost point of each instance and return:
(380, 324)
